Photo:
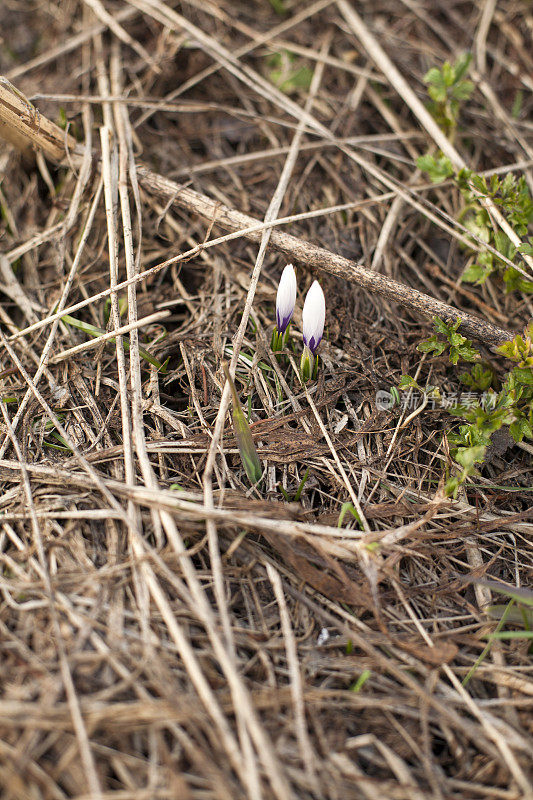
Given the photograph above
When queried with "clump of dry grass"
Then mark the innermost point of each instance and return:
(166, 631)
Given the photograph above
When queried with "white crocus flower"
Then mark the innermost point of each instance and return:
(286, 298)
(313, 317)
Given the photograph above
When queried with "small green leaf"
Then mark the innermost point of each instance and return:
(468, 456)
(432, 345)
(455, 339)
(463, 90)
(520, 428)
(461, 65)
(478, 378)
(434, 76)
(452, 486)
(479, 183)
(466, 352)
(526, 249)
(444, 328)
(438, 167)
(406, 382)
(448, 74)
(475, 273)
(525, 376)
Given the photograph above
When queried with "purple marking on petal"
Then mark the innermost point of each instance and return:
(282, 323)
(313, 317)
(285, 298)
(311, 343)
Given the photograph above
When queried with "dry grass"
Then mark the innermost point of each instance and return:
(207, 641)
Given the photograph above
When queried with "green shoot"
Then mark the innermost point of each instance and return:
(447, 88)
(279, 340)
(486, 650)
(288, 73)
(301, 486)
(308, 365)
(243, 435)
(299, 490)
(345, 508)
(361, 680)
(95, 332)
(278, 6)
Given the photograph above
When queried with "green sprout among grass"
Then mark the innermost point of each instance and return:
(288, 73)
(92, 330)
(517, 611)
(447, 88)
(243, 435)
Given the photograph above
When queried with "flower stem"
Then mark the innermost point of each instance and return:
(308, 365)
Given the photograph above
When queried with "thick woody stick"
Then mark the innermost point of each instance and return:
(27, 129)
(312, 256)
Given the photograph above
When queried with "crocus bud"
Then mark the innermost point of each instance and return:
(286, 298)
(313, 317)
